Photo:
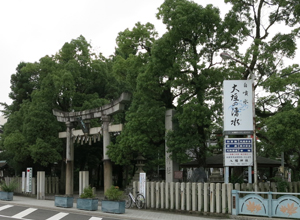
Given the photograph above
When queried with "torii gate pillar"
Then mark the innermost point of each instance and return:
(106, 161)
(69, 160)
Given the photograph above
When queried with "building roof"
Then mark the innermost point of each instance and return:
(217, 162)
(2, 120)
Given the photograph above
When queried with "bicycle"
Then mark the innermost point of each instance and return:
(139, 200)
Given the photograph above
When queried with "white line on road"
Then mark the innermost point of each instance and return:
(5, 207)
(4, 216)
(58, 216)
(95, 218)
(24, 213)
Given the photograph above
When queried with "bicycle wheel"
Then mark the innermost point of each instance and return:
(128, 202)
(140, 201)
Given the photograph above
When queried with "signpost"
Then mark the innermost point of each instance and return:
(143, 184)
(29, 180)
(238, 120)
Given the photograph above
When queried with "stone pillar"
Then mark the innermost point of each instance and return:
(83, 181)
(41, 185)
(171, 165)
(69, 161)
(106, 161)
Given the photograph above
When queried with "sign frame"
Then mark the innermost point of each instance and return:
(238, 107)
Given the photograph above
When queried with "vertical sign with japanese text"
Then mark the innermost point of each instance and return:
(238, 105)
(29, 180)
(143, 184)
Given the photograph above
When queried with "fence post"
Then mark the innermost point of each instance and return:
(172, 195)
(20, 184)
(41, 185)
(182, 193)
(218, 198)
(152, 195)
(188, 196)
(237, 186)
(148, 194)
(261, 188)
(206, 198)
(200, 196)
(162, 195)
(194, 197)
(229, 196)
(167, 192)
(33, 191)
(53, 185)
(273, 189)
(83, 181)
(290, 187)
(250, 186)
(295, 187)
(177, 197)
(212, 197)
(224, 200)
(134, 186)
(56, 185)
(157, 191)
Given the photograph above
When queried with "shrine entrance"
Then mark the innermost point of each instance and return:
(88, 134)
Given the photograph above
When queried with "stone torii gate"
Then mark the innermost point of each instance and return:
(86, 133)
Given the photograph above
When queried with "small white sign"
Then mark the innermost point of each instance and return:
(143, 184)
(238, 103)
(29, 180)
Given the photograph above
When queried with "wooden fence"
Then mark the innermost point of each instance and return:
(51, 184)
(185, 196)
(201, 197)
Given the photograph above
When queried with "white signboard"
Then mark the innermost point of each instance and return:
(238, 114)
(143, 184)
(238, 152)
(29, 180)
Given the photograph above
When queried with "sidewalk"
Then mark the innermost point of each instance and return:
(130, 214)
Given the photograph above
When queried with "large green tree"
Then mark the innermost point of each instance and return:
(74, 79)
(273, 30)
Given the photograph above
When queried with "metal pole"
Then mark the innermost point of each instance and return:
(254, 134)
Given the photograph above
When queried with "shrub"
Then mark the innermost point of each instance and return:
(8, 187)
(114, 193)
(87, 193)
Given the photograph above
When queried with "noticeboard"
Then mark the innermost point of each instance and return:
(178, 175)
(238, 152)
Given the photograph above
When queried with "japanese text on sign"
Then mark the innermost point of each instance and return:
(238, 152)
(238, 113)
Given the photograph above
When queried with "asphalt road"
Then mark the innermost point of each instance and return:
(25, 213)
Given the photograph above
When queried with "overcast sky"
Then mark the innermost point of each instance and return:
(32, 29)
